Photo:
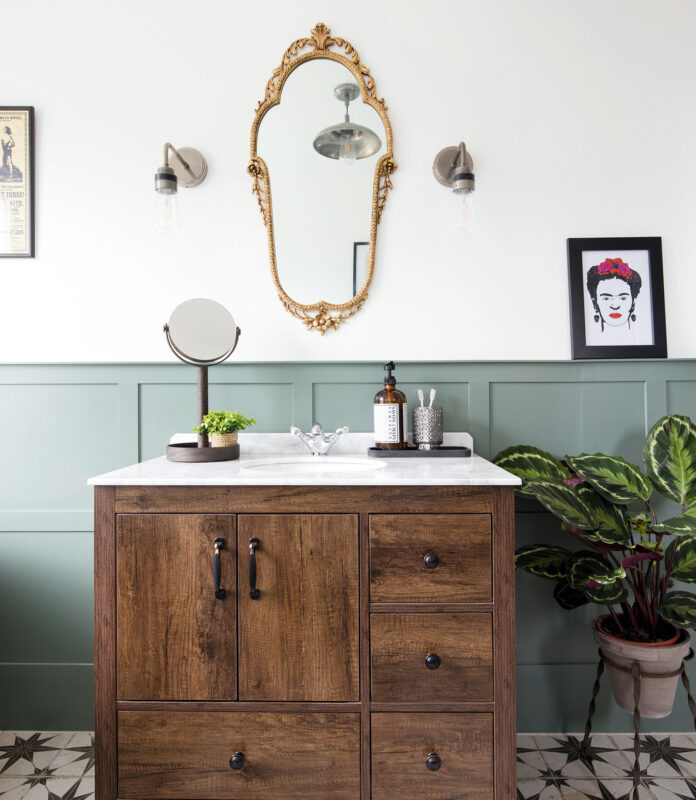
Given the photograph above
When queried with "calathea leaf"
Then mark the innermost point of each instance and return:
(565, 502)
(683, 525)
(612, 522)
(591, 540)
(546, 561)
(585, 566)
(679, 608)
(606, 595)
(567, 597)
(615, 479)
(669, 454)
(530, 464)
(684, 564)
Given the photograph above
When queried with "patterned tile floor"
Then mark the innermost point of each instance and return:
(551, 767)
(60, 766)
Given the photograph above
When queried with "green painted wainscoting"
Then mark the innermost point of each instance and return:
(63, 423)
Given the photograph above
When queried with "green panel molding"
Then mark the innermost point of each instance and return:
(65, 422)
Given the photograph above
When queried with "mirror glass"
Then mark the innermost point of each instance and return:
(202, 330)
(322, 206)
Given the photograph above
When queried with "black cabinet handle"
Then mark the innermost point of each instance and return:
(432, 762)
(431, 561)
(218, 544)
(237, 760)
(432, 661)
(254, 593)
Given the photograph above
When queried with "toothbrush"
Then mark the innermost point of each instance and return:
(432, 397)
(420, 397)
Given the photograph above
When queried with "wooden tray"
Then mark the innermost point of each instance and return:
(191, 452)
(415, 452)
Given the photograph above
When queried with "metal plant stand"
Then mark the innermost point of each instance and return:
(634, 670)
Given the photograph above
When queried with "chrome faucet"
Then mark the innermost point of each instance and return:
(318, 442)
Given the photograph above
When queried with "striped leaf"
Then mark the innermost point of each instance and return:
(586, 566)
(530, 464)
(669, 454)
(683, 525)
(615, 479)
(567, 597)
(565, 502)
(544, 560)
(679, 608)
(607, 595)
(684, 565)
(612, 525)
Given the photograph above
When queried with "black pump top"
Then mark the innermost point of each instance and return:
(390, 380)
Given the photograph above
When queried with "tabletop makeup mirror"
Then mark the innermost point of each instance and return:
(202, 333)
(324, 136)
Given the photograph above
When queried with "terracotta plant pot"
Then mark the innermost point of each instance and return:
(656, 694)
(222, 439)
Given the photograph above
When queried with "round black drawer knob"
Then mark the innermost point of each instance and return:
(431, 561)
(237, 760)
(432, 661)
(432, 762)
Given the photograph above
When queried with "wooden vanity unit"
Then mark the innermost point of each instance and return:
(360, 642)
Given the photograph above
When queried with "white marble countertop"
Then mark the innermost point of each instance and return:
(281, 460)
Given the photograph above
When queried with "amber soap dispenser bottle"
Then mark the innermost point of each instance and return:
(391, 415)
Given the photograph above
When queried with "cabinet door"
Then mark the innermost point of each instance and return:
(298, 639)
(176, 639)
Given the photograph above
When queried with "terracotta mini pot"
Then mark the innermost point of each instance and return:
(656, 694)
(222, 439)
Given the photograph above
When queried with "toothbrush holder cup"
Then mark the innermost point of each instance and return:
(427, 427)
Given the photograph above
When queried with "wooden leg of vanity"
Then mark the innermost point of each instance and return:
(105, 643)
(504, 642)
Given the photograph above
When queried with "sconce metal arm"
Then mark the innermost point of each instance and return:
(168, 146)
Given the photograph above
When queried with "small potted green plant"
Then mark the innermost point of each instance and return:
(629, 560)
(222, 427)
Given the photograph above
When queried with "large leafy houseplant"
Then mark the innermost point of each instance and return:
(629, 560)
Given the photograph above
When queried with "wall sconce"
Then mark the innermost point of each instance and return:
(188, 169)
(454, 167)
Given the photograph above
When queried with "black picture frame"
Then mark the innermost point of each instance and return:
(358, 280)
(19, 191)
(580, 297)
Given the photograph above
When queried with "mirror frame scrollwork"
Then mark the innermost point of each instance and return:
(321, 316)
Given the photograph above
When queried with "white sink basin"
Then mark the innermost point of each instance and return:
(307, 465)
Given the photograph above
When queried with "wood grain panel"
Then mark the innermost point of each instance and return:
(299, 639)
(176, 640)
(401, 642)
(401, 743)
(303, 499)
(287, 756)
(399, 544)
(504, 637)
(105, 642)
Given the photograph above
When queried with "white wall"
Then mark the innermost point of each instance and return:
(579, 116)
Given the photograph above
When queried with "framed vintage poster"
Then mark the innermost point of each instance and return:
(17, 182)
(361, 251)
(617, 298)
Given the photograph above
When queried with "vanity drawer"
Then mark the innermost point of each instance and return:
(459, 746)
(285, 756)
(431, 657)
(430, 558)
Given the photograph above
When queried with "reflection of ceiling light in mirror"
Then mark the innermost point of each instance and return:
(347, 141)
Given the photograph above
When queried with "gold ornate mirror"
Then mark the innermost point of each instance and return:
(331, 158)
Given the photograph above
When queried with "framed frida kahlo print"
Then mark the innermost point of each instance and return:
(617, 299)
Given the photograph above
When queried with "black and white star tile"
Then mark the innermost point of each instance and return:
(60, 766)
(554, 767)
(46, 766)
